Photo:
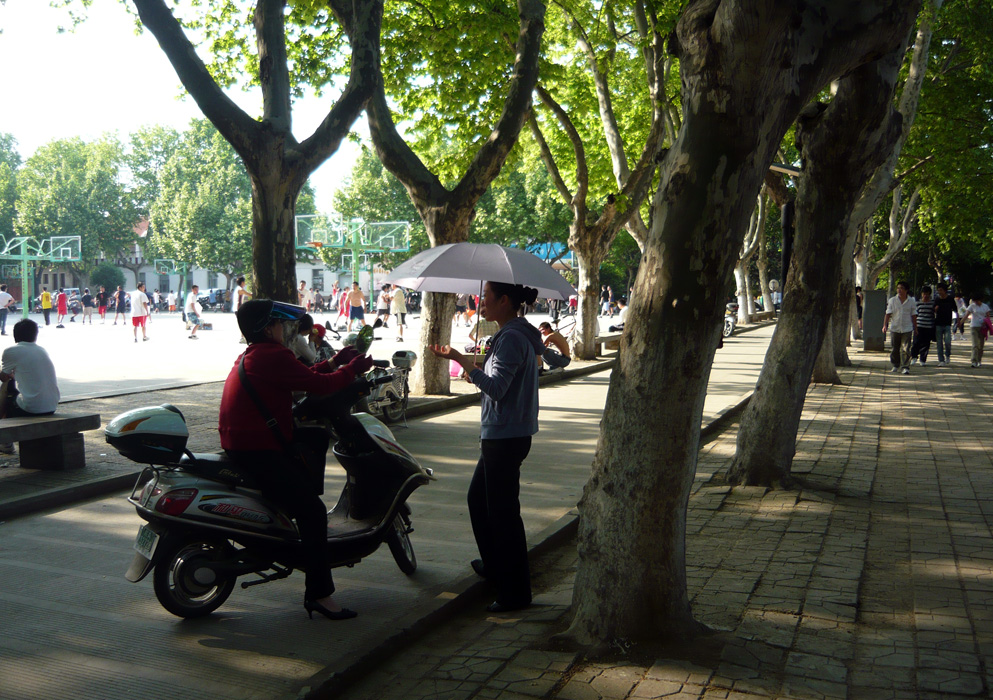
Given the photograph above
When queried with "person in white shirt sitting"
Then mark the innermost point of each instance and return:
(622, 304)
(37, 391)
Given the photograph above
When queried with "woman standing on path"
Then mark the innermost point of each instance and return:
(508, 381)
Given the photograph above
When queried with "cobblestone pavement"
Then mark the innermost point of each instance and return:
(873, 580)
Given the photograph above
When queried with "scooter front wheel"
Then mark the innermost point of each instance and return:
(185, 583)
(728, 329)
(402, 550)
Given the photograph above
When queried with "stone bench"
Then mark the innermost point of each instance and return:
(608, 341)
(763, 316)
(50, 442)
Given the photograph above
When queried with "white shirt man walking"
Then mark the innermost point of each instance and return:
(901, 318)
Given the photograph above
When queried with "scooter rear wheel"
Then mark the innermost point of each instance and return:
(394, 409)
(402, 550)
(187, 588)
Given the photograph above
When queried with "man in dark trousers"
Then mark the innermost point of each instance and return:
(944, 308)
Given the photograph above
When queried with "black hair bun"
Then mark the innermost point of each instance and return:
(530, 295)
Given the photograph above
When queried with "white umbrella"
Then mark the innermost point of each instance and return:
(461, 268)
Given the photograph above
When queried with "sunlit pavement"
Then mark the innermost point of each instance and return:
(74, 627)
(103, 359)
(872, 579)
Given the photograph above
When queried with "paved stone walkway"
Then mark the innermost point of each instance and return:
(873, 580)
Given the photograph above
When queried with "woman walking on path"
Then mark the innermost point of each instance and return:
(508, 381)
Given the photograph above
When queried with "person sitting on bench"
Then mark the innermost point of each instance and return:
(556, 354)
(37, 391)
(622, 304)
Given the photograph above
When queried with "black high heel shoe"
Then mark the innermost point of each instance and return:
(312, 606)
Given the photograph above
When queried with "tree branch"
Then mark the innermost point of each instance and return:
(582, 170)
(490, 158)
(549, 159)
(615, 142)
(233, 123)
(274, 77)
(363, 24)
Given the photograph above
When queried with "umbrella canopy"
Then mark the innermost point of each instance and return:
(460, 268)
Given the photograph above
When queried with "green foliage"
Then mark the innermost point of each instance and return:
(203, 212)
(521, 208)
(150, 148)
(949, 154)
(71, 188)
(108, 275)
(611, 33)
(10, 161)
(619, 269)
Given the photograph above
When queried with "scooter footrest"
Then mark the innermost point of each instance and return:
(266, 578)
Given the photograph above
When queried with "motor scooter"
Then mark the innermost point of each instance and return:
(730, 319)
(391, 394)
(207, 523)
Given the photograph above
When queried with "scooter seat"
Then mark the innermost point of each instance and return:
(218, 467)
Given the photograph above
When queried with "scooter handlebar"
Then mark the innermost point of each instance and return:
(385, 379)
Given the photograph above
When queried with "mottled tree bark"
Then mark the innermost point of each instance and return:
(747, 70)
(841, 144)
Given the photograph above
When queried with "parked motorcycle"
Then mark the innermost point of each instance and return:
(730, 319)
(207, 523)
(391, 394)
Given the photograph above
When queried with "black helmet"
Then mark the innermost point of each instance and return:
(256, 314)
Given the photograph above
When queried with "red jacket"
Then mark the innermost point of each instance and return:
(274, 373)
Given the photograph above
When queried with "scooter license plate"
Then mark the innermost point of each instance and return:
(146, 541)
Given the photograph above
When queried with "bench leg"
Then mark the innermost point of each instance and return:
(57, 454)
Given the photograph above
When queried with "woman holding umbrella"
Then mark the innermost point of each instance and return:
(508, 381)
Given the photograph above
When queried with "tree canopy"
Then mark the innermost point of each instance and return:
(72, 188)
(202, 213)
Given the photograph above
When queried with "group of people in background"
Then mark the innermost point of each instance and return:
(915, 324)
(137, 303)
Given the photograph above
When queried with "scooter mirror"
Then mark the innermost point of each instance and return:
(364, 340)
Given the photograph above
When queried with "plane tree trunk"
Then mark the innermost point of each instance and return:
(840, 146)
(747, 71)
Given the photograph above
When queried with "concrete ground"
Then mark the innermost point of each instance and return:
(74, 627)
(872, 580)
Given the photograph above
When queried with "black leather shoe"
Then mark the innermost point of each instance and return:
(477, 566)
(311, 607)
(498, 607)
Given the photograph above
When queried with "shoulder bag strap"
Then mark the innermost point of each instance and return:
(270, 422)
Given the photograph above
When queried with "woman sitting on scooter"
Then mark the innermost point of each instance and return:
(274, 374)
(508, 381)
